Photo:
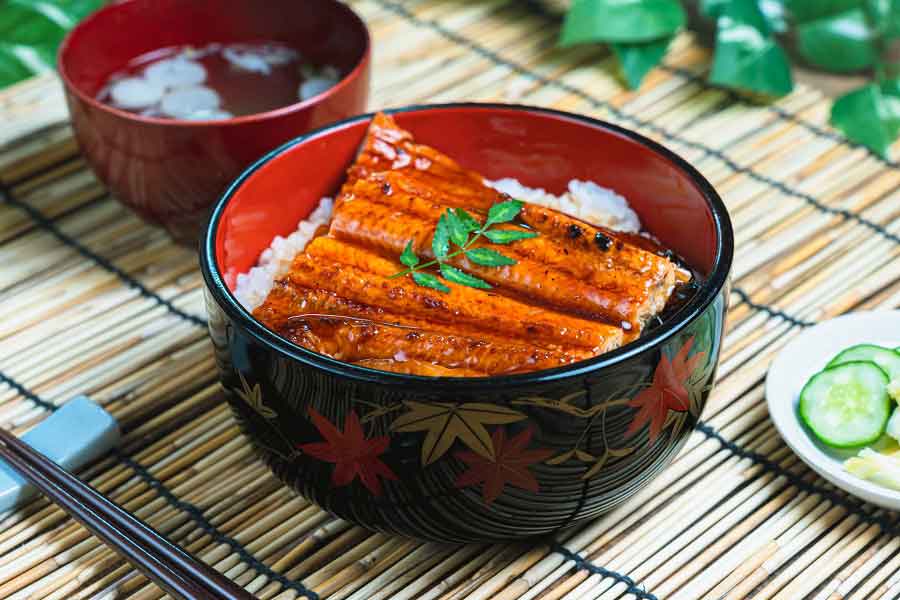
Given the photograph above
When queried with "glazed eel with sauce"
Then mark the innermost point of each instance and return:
(576, 290)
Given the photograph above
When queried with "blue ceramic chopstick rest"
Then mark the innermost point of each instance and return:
(79, 432)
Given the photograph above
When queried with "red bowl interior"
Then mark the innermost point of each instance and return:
(539, 148)
(325, 31)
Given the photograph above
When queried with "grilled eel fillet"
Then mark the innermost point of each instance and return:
(576, 290)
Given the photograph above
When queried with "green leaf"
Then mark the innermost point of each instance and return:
(506, 236)
(469, 222)
(430, 281)
(15, 68)
(870, 116)
(839, 43)
(440, 243)
(747, 56)
(503, 212)
(457, 276)
(775, 14)
(459, 234)
(712, 8)
(30, 32)
(488, 258)
(409, 257)
(774, 11)
(748, 12)
(621, 21)
(884, 16)
(801, 11)
(891, 87)
(637, 60)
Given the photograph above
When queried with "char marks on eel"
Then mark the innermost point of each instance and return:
(575, 291)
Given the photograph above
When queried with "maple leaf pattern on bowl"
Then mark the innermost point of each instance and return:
(253, 397)
(509, 466)
(352, 454)
(491, 457)
(485, 446)
(580, 411)
(445, 422)
(667, 393)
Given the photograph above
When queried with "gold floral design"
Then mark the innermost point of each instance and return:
(564, 404)
(377, 411)
(446, 422)
(593, 462)
(597, 462)
(253, 397)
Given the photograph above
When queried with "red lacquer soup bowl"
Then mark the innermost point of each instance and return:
(172, 171)
(466, 459)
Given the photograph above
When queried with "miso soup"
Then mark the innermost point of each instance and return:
(217, 81)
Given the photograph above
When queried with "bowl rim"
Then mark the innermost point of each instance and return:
(710, 289)
(355, 73)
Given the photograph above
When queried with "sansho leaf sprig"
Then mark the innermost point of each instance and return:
(458, 228)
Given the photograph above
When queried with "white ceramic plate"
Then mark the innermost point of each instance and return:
(805, 356)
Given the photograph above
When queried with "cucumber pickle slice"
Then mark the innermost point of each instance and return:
(887, 359)
(847, 405)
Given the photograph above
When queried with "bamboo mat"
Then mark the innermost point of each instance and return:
(94, 301)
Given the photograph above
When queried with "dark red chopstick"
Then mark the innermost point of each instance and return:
(161, 561)
(159, 573)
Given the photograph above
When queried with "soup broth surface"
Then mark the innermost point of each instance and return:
(216, 81)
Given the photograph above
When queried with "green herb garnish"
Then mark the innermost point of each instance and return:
(458, 228)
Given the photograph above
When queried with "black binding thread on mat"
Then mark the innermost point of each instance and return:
(585, 565)
(887, 525)
(539, 8)
(780, 112)
(767, 464)
(48, 225)
(402, 11)
(772, 312)
(192, 511)
(200, 519)
(260, 567)
(844, 213)
(26, 393)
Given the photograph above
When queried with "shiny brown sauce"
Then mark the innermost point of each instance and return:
(575, 291)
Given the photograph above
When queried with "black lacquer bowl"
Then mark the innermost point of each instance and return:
(472, 459)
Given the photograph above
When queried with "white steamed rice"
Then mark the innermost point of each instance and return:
(254, 285)
(584, 200)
